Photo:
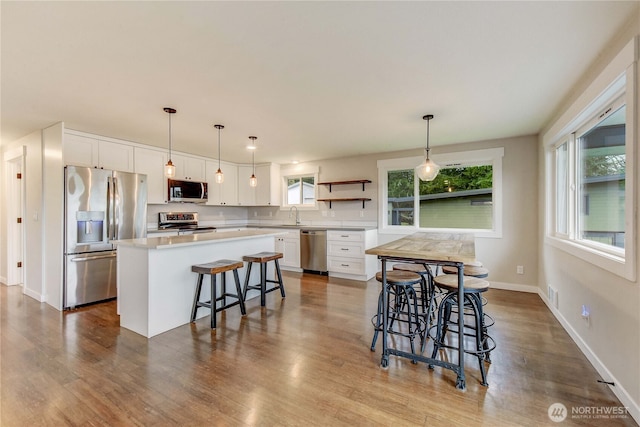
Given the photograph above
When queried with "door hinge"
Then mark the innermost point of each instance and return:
(18, 175)
(19, 264)
(19, 220)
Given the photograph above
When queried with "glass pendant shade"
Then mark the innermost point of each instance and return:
(169, 168)
(219, 176)
(253, 181)
(427, 170)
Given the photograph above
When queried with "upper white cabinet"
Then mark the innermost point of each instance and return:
(189, 168)
(246, 193)
(268, 189)
(151, 163)
(81, 150)
(227, 192)
(266, 193)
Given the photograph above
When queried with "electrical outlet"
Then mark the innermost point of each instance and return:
(361, 214)
(255, 213)
(552, 296)
(520, 269)
(270, 214)
(333, 214)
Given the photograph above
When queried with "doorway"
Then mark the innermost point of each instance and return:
(14, 197)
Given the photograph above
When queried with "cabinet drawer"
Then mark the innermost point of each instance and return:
(345, 236)
(345, 265)
(345, 249)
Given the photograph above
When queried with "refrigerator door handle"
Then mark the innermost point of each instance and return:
(115, 205)
(91, 258)
(109, 217)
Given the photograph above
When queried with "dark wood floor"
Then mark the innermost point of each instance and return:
(301, 361)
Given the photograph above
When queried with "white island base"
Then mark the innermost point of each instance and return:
(155, 283)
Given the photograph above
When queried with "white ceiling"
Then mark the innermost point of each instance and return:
(312, 80)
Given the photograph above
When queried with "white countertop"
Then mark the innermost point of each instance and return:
(167, 242)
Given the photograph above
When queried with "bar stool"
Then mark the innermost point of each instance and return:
(477, 270)
(427, 288)
(403, 309)
(212, 268)
(263, 258)
(473, 287)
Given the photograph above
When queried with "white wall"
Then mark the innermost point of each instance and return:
(518, 246)
(33, 244)
(611, 338)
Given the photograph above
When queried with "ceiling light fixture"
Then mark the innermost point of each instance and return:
(169, 168)
(253, 181)
(219, 175)
(427, 170)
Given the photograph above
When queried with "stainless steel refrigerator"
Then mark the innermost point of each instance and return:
(100, 206)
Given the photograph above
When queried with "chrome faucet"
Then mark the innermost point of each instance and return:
(297, 214)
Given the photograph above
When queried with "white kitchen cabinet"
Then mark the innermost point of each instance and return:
(227, 192)
(289, 245)
(246, 193)
(189, 168)
(346, 256)
(151, 163)
(79, 150)
(268, 189)
(266, 193)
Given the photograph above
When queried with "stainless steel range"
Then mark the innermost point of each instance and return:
(183, 222)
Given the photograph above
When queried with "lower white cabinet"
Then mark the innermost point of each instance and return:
(345, 254)
(289, 245)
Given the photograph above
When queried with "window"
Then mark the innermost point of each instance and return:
(596, 152)
(591, 180)
(468, 184)
(301, 191)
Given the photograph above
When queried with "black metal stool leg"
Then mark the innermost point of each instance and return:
(196, 298)
(263, 284)
(279, 274)
(213, 301)
(239, 291)
(246, 281)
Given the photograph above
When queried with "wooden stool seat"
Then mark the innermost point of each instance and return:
(400, 277)
(450, 283)
(213, 268)
(263, 258)
(469, 270)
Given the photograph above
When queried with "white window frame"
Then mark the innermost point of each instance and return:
(492, 156)
(296, 172)
(615, 86)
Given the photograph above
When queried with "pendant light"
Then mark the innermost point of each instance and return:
(169, 168)
(219, 175)
(427, 170)
(253, 181)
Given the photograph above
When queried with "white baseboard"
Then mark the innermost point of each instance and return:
(514, 287)
(621, 393)
(35, 295)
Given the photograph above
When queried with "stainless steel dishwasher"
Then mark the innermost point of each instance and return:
(313, 250)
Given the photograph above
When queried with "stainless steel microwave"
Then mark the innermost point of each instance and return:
(187, 191)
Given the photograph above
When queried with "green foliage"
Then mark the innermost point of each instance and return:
(459, 179)
(400, 183)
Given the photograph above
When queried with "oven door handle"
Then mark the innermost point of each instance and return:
(91, 258)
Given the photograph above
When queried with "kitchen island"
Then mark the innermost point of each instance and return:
(155, 283)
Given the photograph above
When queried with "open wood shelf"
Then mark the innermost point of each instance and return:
(349, 199)
(355, 181)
